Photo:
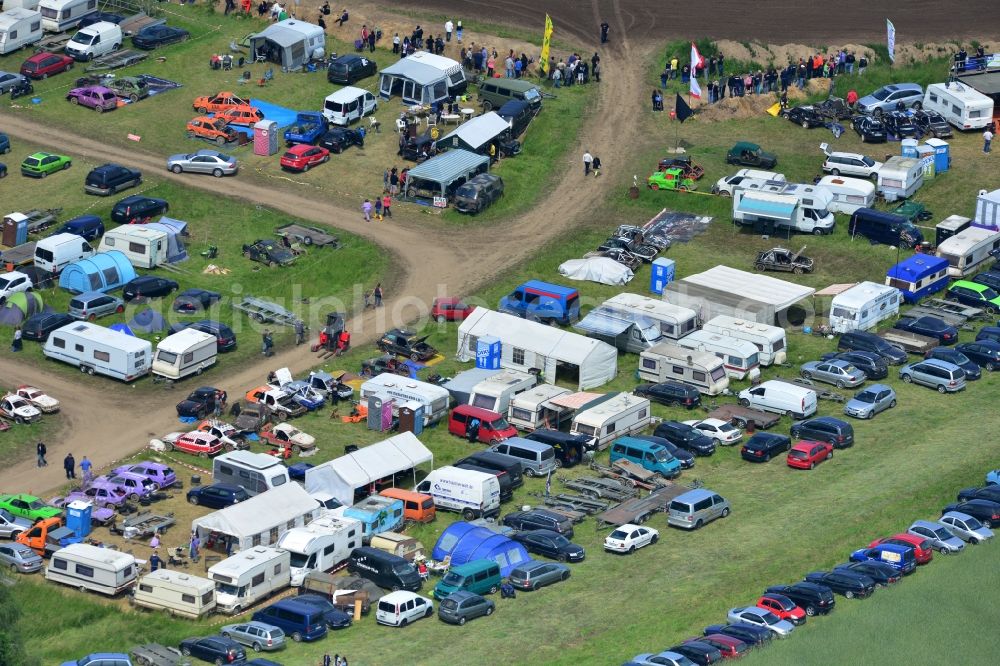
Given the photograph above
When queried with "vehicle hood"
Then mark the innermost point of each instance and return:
(45, 402)
(304, 440)
(26, 411)
(858, 406)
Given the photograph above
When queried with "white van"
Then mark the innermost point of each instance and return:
(495, 392)
(98, 350)
(62, 15)
(434, 398)
(87, 567)
(348, 104)
(19, 28)
(727, 184)
(256, 472)
(321, 545)
(666, 361)
(900, 177)
(674, 321)
(186, 352)
(533, 408)
(144, 247)
(781, 397)
(849, 194)
(176, 592)
(614, 415)
(962, 106)
(95, 40)
(769, 340)
(969, 250)
(248, 576)
(739, 357)
(58, 251)
(400, 608)
(863, 306)
(473, 494)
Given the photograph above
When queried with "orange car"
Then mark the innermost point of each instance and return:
(213, 129)
(241, 115)
(219, 102)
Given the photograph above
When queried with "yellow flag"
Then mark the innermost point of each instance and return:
(546, 37)
(774, 110)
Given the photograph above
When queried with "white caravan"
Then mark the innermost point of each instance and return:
(248, 576)
(770, 340)
(321, 545)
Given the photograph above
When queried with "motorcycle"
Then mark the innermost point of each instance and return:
(22, 88)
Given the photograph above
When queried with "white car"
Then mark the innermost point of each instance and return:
(12, 283)
(232, 438)
(725, 185)
(761, 617)
(628, 537)
(723, 432)
(285, 434)
(965, 527)
(849, 164)
(44, 402)
(20, 410)
(398, 609)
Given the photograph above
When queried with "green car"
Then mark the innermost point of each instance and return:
(750, 154)
(670, 179)
(39, 165)
(28, 506)
(974, 294)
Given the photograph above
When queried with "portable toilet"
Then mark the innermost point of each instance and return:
(411, 417)
(78, 517)
(988, 210)
(942, 155)
(908, 147)
(15, 229)
(926, 156)
(265, 137)
(488, 350)
(662, 274)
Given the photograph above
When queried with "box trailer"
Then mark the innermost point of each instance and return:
(144, 247)
(863, 306)
(434, 398)
(321, 545)
(176, 592)
(703, 370)
(186, 352)
(770, 340)
(249, 576)
(496, 391)
(88, 567)
(99, 350)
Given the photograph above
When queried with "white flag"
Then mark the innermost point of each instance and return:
(696, 62)
(890, 30)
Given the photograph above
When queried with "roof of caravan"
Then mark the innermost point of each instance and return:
(760, 288)
(422, 67)
(541, 393)
(647, 304)
(575, 400)
(861, 293)
(918, 265)
(97, 554)
(107, 336)
(183, 340)
(273, 508)
(179, 578)
(966, 238)
(262, 553)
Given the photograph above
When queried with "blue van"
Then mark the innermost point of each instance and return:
(900, 558)
(91, 227)
(885, 228)
(650, 455)
(299, 620)
(478, 576)
(544, 302)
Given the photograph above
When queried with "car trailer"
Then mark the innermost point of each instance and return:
(630, 474)
(821, 393)
(741, 416)
(942, 309)
(155, 654)
(265, 312)
(575, 503)
(640, 509)
(599, 488)
(116, 60)
(143, 524)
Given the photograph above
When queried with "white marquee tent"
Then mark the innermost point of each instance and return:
(260, 520)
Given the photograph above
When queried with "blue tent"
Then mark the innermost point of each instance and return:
(102, 272)
(122, 328)
(465, 543)
(148, 321)
(174, 229)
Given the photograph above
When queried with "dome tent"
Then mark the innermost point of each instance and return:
(147, 321)
(465, 542)
(19, 306)
(102, 272)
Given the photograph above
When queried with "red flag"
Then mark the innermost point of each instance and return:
(697, 62)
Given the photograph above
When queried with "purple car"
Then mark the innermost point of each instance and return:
(100, 515)
(161, 475)
(107, 495)
(135, 486)
(99, 98)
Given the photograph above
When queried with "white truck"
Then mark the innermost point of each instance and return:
(321, 545)
(751, 207)
(471, 493)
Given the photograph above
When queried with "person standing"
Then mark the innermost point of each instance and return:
(193, 546)
(300, 332)
(155, 562)
(862, 65)
(69, 464)
(596, 166)
(720, 64)
(508, 65)
(387, 205)
(154, 543)
(378, 295)
(588, 160)
(458, 31)
(371, 41)
(674, 66)
(395, 43)
(85, 467)
(448, 27)
(16, 344)
(378, 208)
(604, 32)
(987, 139)
(366, 208)
(41, 450)
(664, 75)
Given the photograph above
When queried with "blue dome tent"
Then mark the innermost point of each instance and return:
(102, 272)
(465, 543)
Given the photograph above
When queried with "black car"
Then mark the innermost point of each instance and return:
(190, 301)
(200, 402)
(900, 125)
(225, 339)
(570, 449)
(215, 649)
(871, 130)
(266, 251)
(550, 544)
(839, 433)
(686, 437)
(813, 598)
(153, 36)
(989, 278)
(148, 286)
(686, 458)
(38, 326)
(748, 633)
(933, 123)
(985, 511)
(762, 446)
(347, 69)
(883, 574)
(984, 353)
(137, 208)
(870, 363)
(404, 342)
(931, 327)
(670, 393)
(988, 334)
(698, 652)
(806, 116)
(991, 493)
(847, 583)
(955, 356)
(217, 495)
(539, 519)
(865, 341)
(478, 193)
(337, 139)
(107, 179)
(418, 149)
(834, 108)
(335, 618)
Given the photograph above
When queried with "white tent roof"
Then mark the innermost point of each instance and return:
(422, 67)
(289, 32)
(479, 130)
(761, 288)
(604, 270)
(258, 514)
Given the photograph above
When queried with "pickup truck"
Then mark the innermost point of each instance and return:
(47, 536)
(308, 127)
(281, 403)
(932, 327)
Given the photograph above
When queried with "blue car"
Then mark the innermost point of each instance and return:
(543, 302)
(870, 401)
(306, 396)
(988, 333)
(900, 558)
(984, 353)
(959, 358)
(993, 477)
(99, 658)
(217, 495)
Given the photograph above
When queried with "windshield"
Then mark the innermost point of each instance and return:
(942, 533)
(81, 38)
(650, 333)
(34, 506)
(403, 568)
(881, 94)
(299, 560)
(726, 427)
(958, 358)
(499, 424)
(972, 523)
(466, 191)
(167, 357)
(584, 429)
(453, 578)
(7, 515)
(531, 95)
(662, 455)
(770, 617)
(865, 396)
(868, 162)
(227, 588)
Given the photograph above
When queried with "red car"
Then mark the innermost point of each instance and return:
(302, 157)
(783, 607)
(923, 549)
(806, 455)
(197, 443)
(483, 425)
(44, 65)
(731, 648)
(450, 308)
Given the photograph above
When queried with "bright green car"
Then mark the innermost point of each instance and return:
(39, 165)
(670, 179)
(974, 294)
(28, 506)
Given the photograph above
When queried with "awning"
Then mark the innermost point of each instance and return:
(760, 207)
(603, 323)
(449, 166)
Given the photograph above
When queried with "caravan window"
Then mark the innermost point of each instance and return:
(667, 329)
(110, 242)
(649, 363)
(169, 358)
(102, 356)
(274, 534)
(188, 357)
(843, 312)
(59, 342)
(642, 413)
(275, 482)
(520, 414)
(698, 376)
(187, 598)
(736, 360)
(517, 356)
(145, 588)
(58, 564)
(255, 540)
(585, 429)
(137, 248)
(84, 570)
(78, 348)
(277, 568)
(610, 428)
(679, 370)
(206, 598)
(718, 373)
(257, 580)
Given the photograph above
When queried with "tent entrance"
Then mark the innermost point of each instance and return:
(568, 373)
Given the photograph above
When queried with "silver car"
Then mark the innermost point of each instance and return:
(18, 557)
(761, 617)
(93, 304)
(944, 541)
(260, 636)
(204, 161)
(941, 375)
(835, 371)
(536, 573)
(965, 527)
(870, 401)
(887, 97)
(11, 525)
(7, 81)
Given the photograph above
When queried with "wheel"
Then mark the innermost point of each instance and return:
(441, 319)
(218, 661)
(120, 309)
(67, 165)
(698, 524)
(806, 374)
(305, 167)
(202, 110)
(404, 622)
(90, 371)
(725, 512)
(840, 383)
(990, 367)
(991, 310)
(134, 497)
(493, 589)
(907, 378)
(203, 454)
(133, 98)
(468, 514)
(414, 356)
(870, 415)
(83, 368)
(191, 134)
(918, 105)
(461, 621)
(530, 472)
(653, 539)
(631, 549)
(725, 194)
(683, 188)
(257, 647)
(834, 172)
(849, 594)
(271, 264)
(309, 241)
(812, 465)
(13, 568)
(74, 100)
(296, 636)
(767, 458)
(817, 232)
(217, 173)
(744, 402)
(489, 610)
(654, 186)
(988, 524)
(177, 168)
(561, 557)
(758, 267)
(941, 389)
(45, 76)
(805, 124)
(810, 611)
(99, 109)
(186, 651)
(798, 270)
(220, 140)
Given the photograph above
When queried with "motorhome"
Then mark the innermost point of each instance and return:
(739, 357)
(770, 340)
(969, 251)
(99, 350)
(624, 330)
(615, 415)
(863, 306)
(674, 321)
(959, 104)
(752, 207)
(388, 386)
(900, 177)
(320, 546)
(19, 27)
(186, 352)
(534, 408)
(256, 472)
(177, 592)
(666, 361)
(812, 202)
(61, 15)
(87, 567)
(849, 194)
(473, 494)
(917, 276)
(144, 247)
(249, 576)
(496, 391)
(376, 514)
(58, 251)
(725, 185)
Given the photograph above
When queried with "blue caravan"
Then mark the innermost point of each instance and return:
(918, 276)
(377, 514)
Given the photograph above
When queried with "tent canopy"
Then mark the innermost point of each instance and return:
(257, 516)
(102, 272)
(147, 321)
(290, 43)
(727, 291)
(422, 78)
(451, 168)
(176, 252)
(604, 270)
(465, 543)
(477, 133)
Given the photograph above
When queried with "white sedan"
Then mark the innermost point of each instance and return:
(44, 402)
(723, 432)
(628, 537)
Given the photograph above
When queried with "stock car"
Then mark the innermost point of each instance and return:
(806, 116)
(871, 130)
(900, 125)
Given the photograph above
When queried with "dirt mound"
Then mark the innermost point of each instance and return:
(737, 108)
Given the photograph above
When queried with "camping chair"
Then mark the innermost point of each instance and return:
(234, 47)
(400, 125)
(259, 56)
(245, 77)
(227, 62)
(268, 75)
(431, 120)
(374, 124)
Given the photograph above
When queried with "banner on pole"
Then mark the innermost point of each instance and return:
(890, 34)
(696, 62)
(543, 63)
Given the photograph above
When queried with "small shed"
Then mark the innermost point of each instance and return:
(102, 272)
(440, 176)
(477, 134)
(422, 78)
(290, 43)
(464, 543)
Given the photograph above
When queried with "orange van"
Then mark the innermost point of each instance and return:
(416, 506)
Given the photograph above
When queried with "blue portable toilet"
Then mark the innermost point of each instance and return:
(908, 147)
(942, 154)
(662, 274)
(488, 350)
(925, 154)
(78, 517)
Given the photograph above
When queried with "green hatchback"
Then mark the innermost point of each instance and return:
(28, 506)
(974, 294)
(39, 165)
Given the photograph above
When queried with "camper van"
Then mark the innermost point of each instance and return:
(95, 40)
(249, 576)
(673, 321)
(320, 546)
(61, 15)
(727, 184)
(19, 28)
(969, 251)
(769, 340)
(918, 276)
(781, 397)
(624, 330)
(348, 104)
(88, 567)
(961, 105)
(176, 592)
(144, 247)
(703, 370)
(473, 494)
(849, 194)
(739, 357)
(614, 415)
(58, 251)
(885, 228)
(256, 472)
(388, 386)
(900, 177)
(863, 306)
(751, 207)
(495, 392)
(533, 408)
(186, 352)
(98, 350)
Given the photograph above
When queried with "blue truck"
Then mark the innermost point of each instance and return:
(543, 302)
(308, 127)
